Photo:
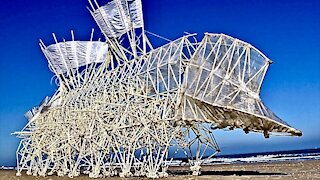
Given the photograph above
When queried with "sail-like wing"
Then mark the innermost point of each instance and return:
(119, 16)
(222, 86)
(64, 56)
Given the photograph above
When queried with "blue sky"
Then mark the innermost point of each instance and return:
(287, 31)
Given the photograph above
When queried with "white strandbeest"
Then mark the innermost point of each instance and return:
(130, 111)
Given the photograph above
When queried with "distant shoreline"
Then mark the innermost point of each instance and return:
(296, 151)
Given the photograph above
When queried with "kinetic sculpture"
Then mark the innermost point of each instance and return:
(130, 111)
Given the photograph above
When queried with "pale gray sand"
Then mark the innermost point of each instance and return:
(283, 170)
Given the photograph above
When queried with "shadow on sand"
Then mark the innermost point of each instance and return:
(229, 173)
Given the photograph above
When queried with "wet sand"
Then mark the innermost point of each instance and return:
(281, 170)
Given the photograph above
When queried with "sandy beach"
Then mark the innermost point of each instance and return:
(281, 170)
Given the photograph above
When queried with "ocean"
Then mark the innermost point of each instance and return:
(276, 156)
(261, 157)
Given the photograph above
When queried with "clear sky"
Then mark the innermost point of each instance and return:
(287, 31)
